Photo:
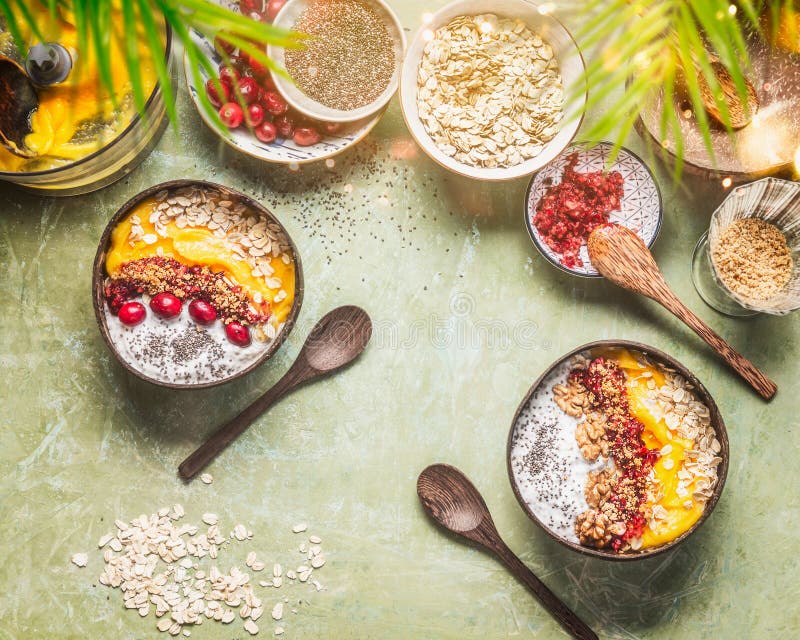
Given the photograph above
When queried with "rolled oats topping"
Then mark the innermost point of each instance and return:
(489, 91)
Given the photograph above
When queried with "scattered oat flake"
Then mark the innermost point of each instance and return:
(279, 631)
(299, 528)
(251, 627)
(277, 611)
(80, 559)
(206, 478)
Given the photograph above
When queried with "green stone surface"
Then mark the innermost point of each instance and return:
(467, 315)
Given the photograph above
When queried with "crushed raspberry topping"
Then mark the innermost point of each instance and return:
(570, 211)
(604, 382)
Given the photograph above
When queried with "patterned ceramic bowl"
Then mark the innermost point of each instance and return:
(773, 200)
(641, 202)
(280, 151)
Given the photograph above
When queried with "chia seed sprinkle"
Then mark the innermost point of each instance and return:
(192, 343)
(351, 59)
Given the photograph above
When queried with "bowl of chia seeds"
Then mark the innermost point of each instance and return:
(350, 68)
(195, 284)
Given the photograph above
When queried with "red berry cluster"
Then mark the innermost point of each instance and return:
(166, 305)
(170, 283)
(570, 211)
(244, 80)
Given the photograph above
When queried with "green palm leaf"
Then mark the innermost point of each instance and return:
(672, 44)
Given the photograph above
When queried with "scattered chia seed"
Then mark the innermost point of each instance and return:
(193, 342)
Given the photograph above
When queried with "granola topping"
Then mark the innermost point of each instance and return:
(622, 500)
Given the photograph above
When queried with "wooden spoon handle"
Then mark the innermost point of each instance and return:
(228, 432)
(746, 369)
(560, 611)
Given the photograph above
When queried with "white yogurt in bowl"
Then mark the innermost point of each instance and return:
(180, 351)
(548, 467)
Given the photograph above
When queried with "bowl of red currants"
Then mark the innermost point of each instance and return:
(256, 118)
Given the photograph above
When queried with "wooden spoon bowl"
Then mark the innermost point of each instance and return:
(542, 387)
(99, 274)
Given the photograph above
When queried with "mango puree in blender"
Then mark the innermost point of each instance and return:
(78, 117)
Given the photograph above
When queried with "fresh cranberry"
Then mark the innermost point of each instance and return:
(266, 132)
(249, 90)
(273, 6)
(306, 136)
(284, 125)
(213, 93)
(223, 46)
(238, 334)
(251, 6)
(231, 115)
(259, 70)
(166, 305)
(274, 103)
(255, 115)
(229, 75)
(132, 313)
(202, 312)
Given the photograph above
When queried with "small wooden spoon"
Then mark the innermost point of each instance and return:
(18, 101)
(335, 341)
(740, 114)
(621, 256)
(453, 501)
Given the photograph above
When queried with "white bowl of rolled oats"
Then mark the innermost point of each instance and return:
(487, 95)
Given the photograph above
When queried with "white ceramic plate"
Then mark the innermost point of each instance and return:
(280, 151)
(641, 201)
(571, 66)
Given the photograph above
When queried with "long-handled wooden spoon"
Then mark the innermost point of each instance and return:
(621, 256)
(335, 341)
(453, 501)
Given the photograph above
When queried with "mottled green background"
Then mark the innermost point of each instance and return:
(467, 315)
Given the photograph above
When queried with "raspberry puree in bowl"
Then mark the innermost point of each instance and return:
(582, 189)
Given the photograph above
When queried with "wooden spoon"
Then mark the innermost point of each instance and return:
(335, 341)
(622, 257)
(18, 101)
(739, 113)
(453, 501)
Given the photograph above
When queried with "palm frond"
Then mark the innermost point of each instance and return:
(641, 48)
